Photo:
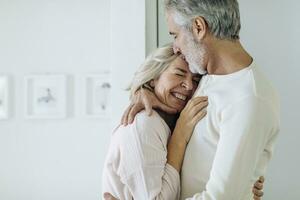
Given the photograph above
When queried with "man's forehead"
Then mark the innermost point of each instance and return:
(172, 26)
(170, 22)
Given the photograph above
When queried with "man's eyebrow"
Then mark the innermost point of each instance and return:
(171, 33)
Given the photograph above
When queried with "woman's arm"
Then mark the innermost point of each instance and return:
(190, 115)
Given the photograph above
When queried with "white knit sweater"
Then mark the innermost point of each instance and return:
(231, 147)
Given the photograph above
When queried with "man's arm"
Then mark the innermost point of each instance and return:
(144, 99)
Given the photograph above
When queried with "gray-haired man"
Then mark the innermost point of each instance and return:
(231, 147)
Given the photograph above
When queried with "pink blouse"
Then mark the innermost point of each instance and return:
(136, 164)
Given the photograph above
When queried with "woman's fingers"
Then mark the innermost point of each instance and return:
(194, 111)
(194, 101)
(198, 107)
(197, 100)
(199, 116)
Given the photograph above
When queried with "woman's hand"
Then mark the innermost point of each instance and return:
(193, 112)
(143, 99)
(257, 188)
(189, 116)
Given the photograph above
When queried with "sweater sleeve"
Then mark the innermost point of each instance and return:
(143, 159)
(248, 131)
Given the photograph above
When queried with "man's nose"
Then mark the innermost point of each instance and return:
(176, 50)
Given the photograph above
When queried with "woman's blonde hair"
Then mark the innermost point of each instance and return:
(154, 65)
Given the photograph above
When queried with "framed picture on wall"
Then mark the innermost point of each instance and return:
(4, 97)
(98, 88)
(45, 96)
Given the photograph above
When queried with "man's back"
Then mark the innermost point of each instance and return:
(233, 144)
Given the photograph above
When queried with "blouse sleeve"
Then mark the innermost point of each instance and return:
(144, 169)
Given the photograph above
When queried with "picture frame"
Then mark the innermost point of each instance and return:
(97, 95)
(46, 96)
(4, 97)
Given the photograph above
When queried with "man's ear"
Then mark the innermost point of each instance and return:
(152, 83)
(199, 28)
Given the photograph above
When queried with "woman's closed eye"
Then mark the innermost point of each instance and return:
(179, 74)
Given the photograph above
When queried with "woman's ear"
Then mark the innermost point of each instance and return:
(199, 28)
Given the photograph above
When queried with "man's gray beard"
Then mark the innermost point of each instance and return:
(194, 66)
(195, 55)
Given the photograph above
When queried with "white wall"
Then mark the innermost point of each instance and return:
(62, 159)
(53, 159)
(127, 49)
(270, 32)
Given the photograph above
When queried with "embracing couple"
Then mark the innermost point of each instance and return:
(215, 117)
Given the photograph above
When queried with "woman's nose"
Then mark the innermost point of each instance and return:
(187, 84)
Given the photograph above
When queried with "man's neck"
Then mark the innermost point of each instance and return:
(226, 57)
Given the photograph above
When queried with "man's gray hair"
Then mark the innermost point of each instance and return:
(154, 65)
(221, 16)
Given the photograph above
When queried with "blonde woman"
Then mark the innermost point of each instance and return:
(136, 165)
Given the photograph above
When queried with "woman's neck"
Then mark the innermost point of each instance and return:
(170, 119)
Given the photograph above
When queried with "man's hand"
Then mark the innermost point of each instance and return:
(257, 188)
(108, 196)
(144, 99)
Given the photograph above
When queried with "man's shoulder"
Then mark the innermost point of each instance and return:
(249, 85)
(264, 89)
(254, 84)
(257, 91)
